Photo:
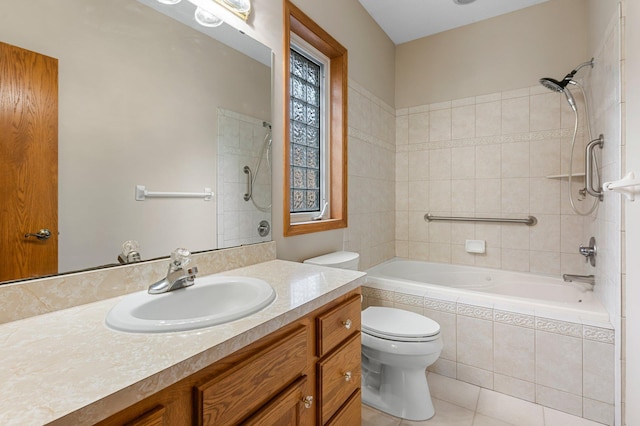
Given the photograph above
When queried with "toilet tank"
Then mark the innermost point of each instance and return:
(338, 259)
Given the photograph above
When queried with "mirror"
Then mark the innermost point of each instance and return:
(153, 100)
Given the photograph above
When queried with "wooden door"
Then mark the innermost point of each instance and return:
(28, 163)
(286, 409)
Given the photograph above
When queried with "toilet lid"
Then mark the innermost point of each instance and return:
(397, 324)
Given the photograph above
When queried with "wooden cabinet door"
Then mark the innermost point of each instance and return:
(286, 409)
(28, 163)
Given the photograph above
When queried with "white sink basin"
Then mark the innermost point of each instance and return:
(212, 300)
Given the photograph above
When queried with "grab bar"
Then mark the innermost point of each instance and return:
(529, 221)
(249, 193)
(142, 194)
(588, 170)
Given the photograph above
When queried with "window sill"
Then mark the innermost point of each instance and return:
(301, 228)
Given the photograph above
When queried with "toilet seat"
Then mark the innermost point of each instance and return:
(398, 325)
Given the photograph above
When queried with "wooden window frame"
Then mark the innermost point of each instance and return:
(304, 27)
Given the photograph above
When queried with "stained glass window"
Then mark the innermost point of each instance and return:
(305, 144)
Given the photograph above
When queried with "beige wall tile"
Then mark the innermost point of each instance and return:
(515, 260)
(463, 162)
(488, 119)
(544, 196)
(563, 401)
(454, 391)
(515, 195)
(514, 387)
(515, 115)
(515, 159)
(419, 167)
(488, 161)
(439, 196)
(419, 196)
(443, 367)
(463, 122)
(514, 351)
(463, 196)
(559, 362)
(475, 342)
(440, 125)
(509, 409)
(448, 331)
(545, 236)
(418, 128)
(598, 411)
(545, 157)
(488, 196)
(598, 371)
(545, 112)
(440, 164)
(475, 376)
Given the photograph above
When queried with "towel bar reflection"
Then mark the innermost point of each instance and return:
(142, 194)
(529, 221)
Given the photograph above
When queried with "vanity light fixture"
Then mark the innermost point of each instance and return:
(463, 2)
(169, 1)
(206, 18)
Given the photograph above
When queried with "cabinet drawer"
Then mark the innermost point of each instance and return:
(338, 377)
(286, 409)
(337, 324)
(350, 413)
(232, 396)
(154, 417)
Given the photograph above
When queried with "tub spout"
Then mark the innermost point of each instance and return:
(587, 281)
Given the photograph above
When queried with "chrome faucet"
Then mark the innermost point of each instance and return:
(587, 281)
(178, 275)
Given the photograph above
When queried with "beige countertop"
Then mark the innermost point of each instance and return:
(67, 367)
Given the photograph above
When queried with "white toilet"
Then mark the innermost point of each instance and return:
(397, 348)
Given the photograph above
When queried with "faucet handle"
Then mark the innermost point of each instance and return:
(180, 257)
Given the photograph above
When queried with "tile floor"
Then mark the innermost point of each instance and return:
(462, 404)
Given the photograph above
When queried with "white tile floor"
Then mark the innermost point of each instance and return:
(462, 404)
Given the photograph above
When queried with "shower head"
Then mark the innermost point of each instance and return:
(561, 86)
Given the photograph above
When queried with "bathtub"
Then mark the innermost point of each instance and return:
(530, 336)
(527, 293)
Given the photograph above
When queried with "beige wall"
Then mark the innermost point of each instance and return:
(504, 53)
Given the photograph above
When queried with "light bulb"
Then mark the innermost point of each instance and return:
(206, 18)
(240, 6)
(169, 1)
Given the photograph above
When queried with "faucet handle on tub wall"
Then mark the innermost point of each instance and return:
(589, 252)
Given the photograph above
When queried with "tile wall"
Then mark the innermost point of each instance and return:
(241, 142)
(607, 223)
(371, 189)
(492, 156)
(567, 366)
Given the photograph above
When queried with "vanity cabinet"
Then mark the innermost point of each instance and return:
(306, 373)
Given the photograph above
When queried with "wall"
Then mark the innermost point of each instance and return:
(631, 234)
(548, 39)
(490, 156)
(138, 98)
(372, 156)
(371, 74)
(607, 224)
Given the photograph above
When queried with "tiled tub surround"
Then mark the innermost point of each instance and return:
(68, 368)
(25, 299)
(558, 361)
(490, 155)
(241, 142)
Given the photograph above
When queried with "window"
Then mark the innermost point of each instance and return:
(316, 116)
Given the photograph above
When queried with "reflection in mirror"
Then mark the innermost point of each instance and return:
(140, 99)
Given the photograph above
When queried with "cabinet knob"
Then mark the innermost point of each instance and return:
(307, 401)
(347, 376)
(347, 324)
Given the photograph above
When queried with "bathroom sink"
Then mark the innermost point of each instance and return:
(212, 300)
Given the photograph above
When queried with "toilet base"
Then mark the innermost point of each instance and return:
(401, 393)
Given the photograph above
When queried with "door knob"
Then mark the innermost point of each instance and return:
(42, 234)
